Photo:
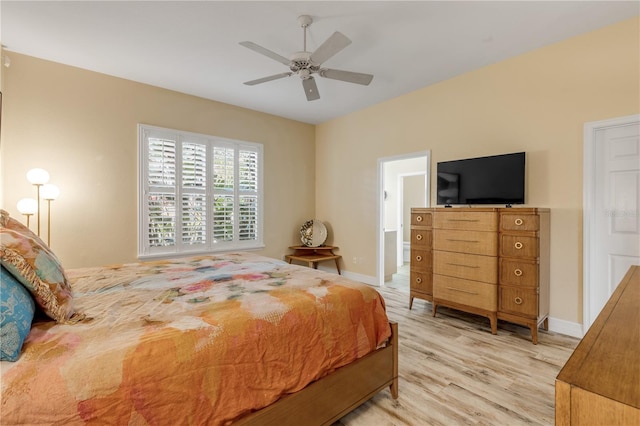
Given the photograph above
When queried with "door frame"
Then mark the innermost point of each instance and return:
(588, 218)
(380, 204)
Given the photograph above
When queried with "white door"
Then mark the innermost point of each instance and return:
(613, 236)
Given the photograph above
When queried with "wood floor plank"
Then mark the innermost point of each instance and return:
(452, 370)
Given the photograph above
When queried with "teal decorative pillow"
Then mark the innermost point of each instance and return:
(35, 266)
(16, 313)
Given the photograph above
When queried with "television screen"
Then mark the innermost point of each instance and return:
(497, 179)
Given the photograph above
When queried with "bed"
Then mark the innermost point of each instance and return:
(231, 338)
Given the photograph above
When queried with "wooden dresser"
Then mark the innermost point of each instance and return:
(488, 261)
(600, 383)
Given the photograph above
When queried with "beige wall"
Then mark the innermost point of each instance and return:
(537, 102)
(80, 126)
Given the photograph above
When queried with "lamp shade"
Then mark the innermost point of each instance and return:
(38, 176)
(49, 192)
(27, 206)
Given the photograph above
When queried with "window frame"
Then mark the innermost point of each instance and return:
(145, 249)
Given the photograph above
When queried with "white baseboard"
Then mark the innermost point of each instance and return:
(568, 328)
(556, 325)
(367, 279)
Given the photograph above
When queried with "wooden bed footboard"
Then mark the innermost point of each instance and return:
(327, 400)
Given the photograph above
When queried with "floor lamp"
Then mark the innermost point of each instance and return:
(27, 207)
(49, 192)
(38, 177)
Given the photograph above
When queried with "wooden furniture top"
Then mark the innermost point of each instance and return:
(606, 361)
(514, 209)
(313, 248)
(313, 254)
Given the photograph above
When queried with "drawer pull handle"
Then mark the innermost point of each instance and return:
(463, 266)
(419, 237)
(462, 290)
(518, 245)
(462, 241)
(517, 272)
(519, 221)
(419, 219)
(419, 280)
(419, 258)
(518, 300)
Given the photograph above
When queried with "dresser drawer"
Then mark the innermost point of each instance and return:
(469, 266)
(518, 301)
(421, 282)
(518, 246)
(421, 238)
(421, 218)
(421, 260)
(519, 222)
(465, 292)
(465, 220)
(473, 242)
(519, 272)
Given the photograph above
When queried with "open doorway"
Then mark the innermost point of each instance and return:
(403, 182)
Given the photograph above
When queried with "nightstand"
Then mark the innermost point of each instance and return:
(314, 255)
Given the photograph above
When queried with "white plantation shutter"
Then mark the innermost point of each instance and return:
(197, 193)
(161, 200)
(248, 195)
(194, 195)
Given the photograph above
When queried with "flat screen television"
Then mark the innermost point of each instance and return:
(497, 179)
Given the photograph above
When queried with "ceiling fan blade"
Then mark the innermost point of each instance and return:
(265, 79)
(335, 43)
(348, 76)
(266, 52)
(310, 89)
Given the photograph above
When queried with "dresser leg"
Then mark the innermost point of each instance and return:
(545, 324)
(493, 320)
(435, 306)
(534, 333)
(410, 302)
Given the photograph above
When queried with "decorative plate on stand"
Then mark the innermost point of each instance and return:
(313, 233)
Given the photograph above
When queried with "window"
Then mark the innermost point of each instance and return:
(197, 193)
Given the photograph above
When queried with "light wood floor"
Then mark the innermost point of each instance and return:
(454, 371)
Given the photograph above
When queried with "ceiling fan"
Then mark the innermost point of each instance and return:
(305, 64)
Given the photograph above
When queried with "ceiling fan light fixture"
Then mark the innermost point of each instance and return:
(304, 74)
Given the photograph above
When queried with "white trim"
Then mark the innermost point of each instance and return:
(567, 328)
(588, 218)
(380, 204)
(367, 279)
(158, 256)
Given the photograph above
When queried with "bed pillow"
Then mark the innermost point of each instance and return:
(16, 314)
(35, 266)
(7, 221)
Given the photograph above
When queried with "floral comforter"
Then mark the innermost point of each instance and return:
(200, 340)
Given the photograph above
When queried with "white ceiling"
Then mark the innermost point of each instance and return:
(192, 47)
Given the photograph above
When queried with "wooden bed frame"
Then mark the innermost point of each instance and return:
(327, 400)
